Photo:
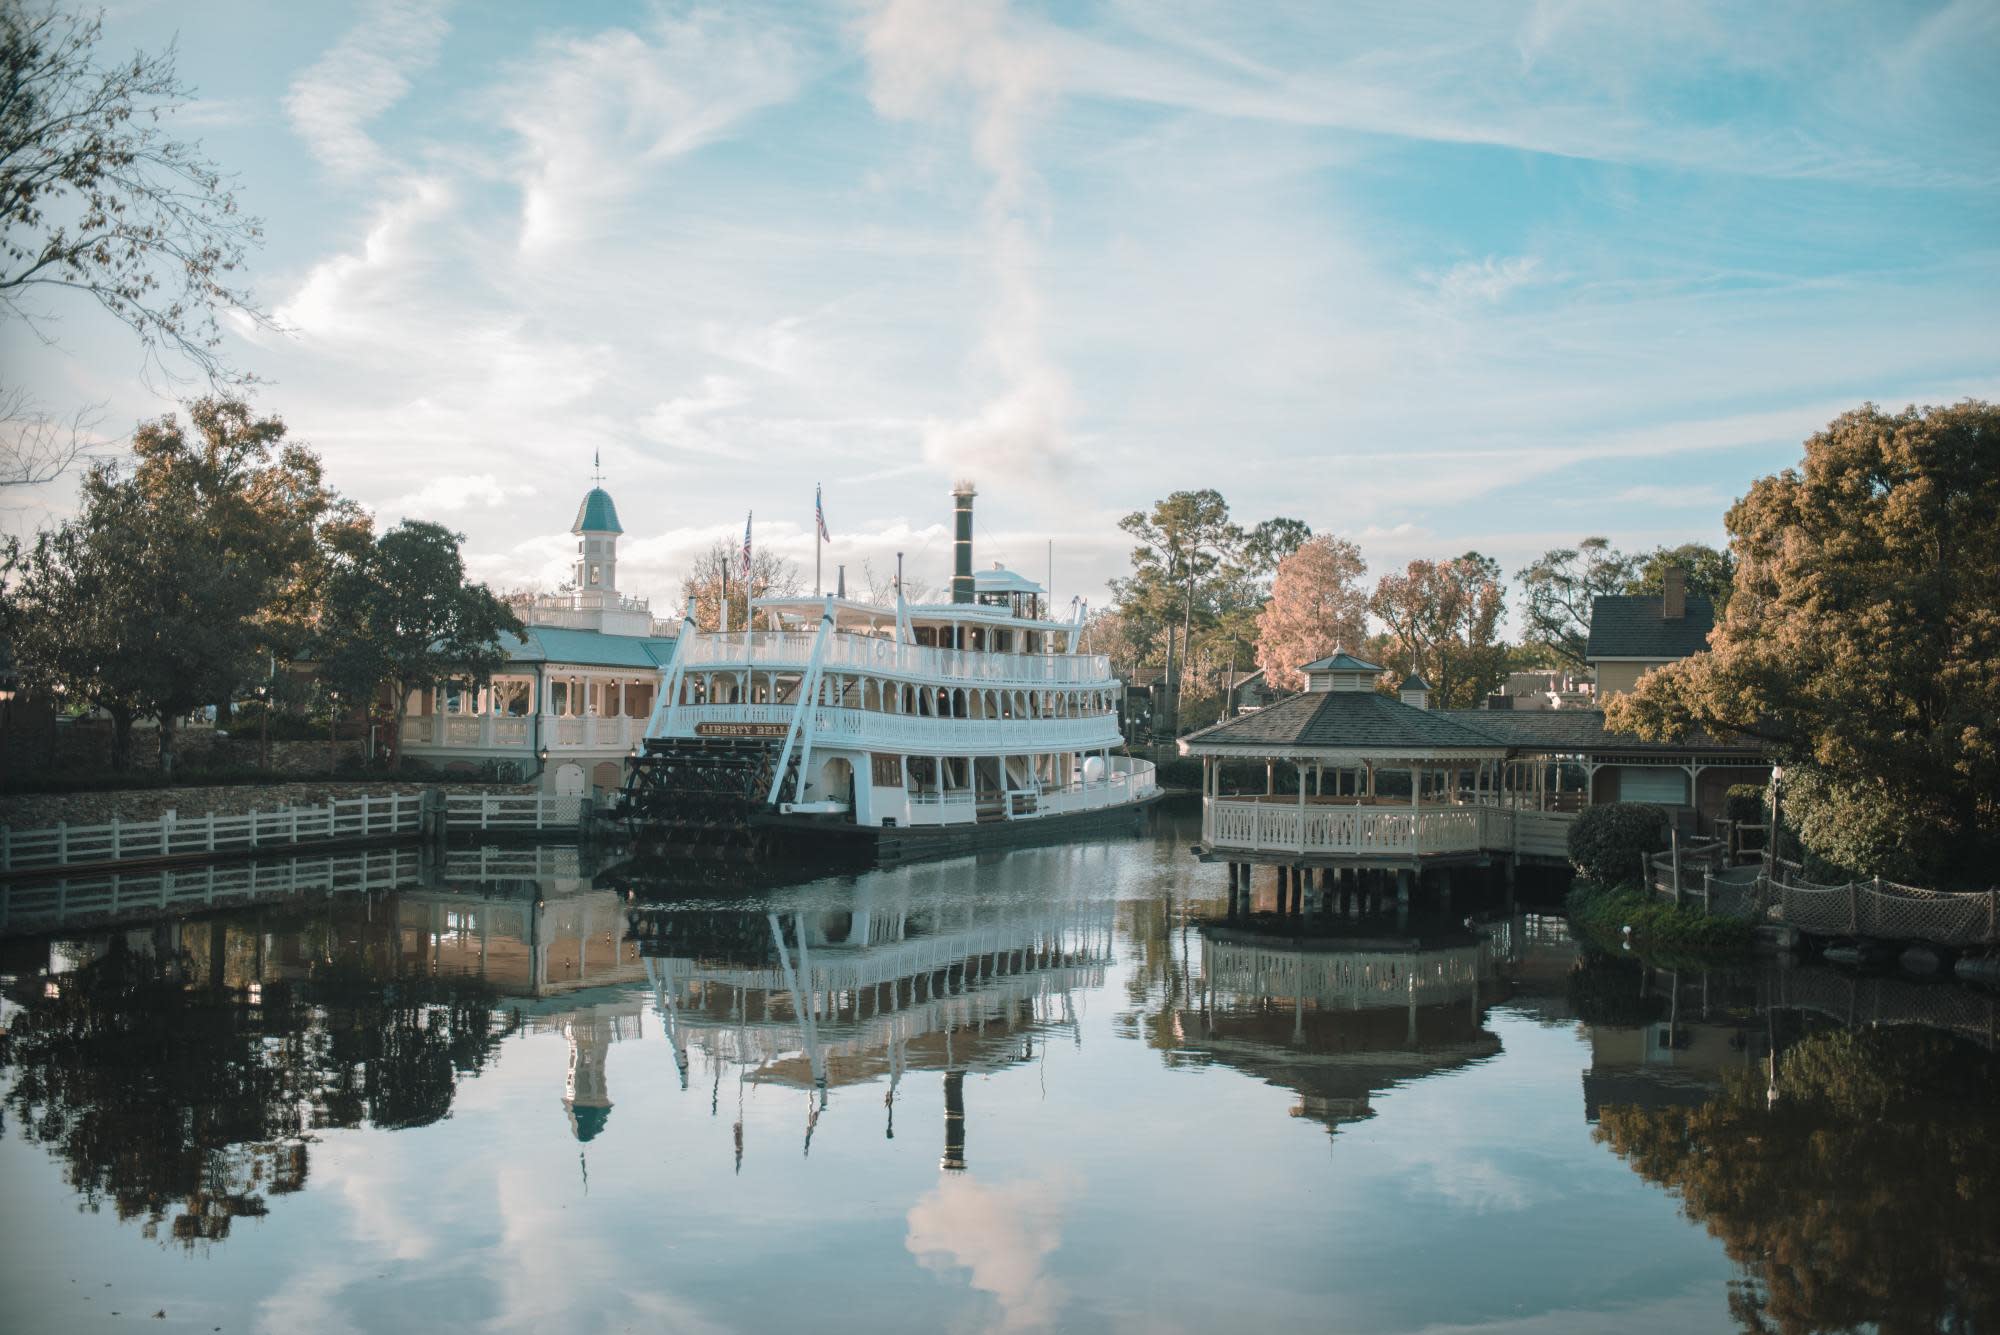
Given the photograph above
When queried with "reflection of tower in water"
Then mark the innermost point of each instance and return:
(954, 1122)
(586, 1096)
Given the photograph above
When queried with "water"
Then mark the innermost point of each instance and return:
(1050, 1094)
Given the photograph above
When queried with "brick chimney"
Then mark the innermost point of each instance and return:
(1673, 593)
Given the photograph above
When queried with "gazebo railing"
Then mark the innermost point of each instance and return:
(1275, 825)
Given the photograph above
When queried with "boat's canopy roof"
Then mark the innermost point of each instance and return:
(849, 612)
(1002, 580)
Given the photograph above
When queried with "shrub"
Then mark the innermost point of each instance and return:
(1605, 841)
(1743, 803)
(1659, 926)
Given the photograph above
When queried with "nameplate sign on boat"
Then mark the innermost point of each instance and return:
(776, 730)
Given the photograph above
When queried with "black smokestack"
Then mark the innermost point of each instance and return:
(954, 1122)
(961, 570)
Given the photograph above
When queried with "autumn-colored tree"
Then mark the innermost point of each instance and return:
(1444, 621)
(1557, 591)
(720, 568)
(1862, 643)
(1317, 605)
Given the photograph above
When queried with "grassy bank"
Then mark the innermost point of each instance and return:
(1659, 926)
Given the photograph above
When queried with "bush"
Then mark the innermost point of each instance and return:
(1659, 926)
(1743, 804)
(1605, 841)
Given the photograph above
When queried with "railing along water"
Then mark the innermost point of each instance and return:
(368, 816)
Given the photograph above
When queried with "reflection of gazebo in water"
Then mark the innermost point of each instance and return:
(847, 987)
(1339, 1022)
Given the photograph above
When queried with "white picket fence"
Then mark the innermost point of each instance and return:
(368, 816)
(512, 811)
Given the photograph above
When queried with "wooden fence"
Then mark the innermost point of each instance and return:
(1698, 872)
(514, 811)
(365, 817)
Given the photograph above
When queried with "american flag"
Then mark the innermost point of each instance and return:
(746, 546)
(819, 515)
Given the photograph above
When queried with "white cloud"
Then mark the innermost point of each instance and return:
(595, 114)
(365, 73)
(1004, 1235)
(1489, 280)
(923, 55)
(465, 491)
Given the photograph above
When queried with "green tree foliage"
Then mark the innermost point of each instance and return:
(1710, 571)
(1192, 568)
(1863, 643)
(1605, 841)
(179, 574)
(1558, 589)
(401, 614)
(1864, 1197)
(1444, 625)
(1317, 605)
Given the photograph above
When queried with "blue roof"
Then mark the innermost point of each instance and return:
(1341, 661)
(588, 648)
(597, 514)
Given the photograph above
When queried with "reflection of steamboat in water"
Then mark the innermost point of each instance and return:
(838, 989)
(904, 728)
(1340, 1022)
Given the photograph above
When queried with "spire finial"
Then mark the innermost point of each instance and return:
(597, 466)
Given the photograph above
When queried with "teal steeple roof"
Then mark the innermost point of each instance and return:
(597, 514)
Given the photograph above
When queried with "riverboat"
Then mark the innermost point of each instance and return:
(900, 729)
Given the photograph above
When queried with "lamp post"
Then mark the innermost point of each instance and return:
(6, 710)
(263, 693)
(333, 733)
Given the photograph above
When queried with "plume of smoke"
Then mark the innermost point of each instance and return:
(925, 57)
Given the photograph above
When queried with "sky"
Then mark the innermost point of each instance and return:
(1433, 278)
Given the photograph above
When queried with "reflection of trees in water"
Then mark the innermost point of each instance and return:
(183, 1107)
(1866, 1195)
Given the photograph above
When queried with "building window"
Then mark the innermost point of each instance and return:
(886, 770)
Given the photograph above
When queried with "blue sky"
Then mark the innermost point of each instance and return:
(1434, 278)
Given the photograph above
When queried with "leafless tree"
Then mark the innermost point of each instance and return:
(36, 445)
(97, 198)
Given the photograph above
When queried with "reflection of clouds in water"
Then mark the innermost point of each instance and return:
(1002, 1234)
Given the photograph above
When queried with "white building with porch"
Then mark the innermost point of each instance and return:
(572, 701)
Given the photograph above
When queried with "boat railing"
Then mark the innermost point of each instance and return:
(793, 649)
(831, 723)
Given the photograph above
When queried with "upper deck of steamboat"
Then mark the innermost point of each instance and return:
(956, 643)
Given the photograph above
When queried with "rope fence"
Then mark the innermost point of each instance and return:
(1698, 872)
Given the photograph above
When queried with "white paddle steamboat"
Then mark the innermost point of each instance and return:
(911, 728)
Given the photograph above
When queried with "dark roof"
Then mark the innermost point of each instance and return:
(597, 514)
(1577, 730)
(1630, 626)
(1341, 661)
(1345, 719)
(1414, 683)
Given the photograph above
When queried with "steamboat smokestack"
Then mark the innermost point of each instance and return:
(961, 570)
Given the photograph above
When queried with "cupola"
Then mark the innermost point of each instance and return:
(1341, 671)
(1415, 691)
(596, 529)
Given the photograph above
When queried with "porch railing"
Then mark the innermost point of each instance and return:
(1356, 829)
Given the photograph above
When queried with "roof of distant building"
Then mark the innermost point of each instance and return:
(1414, 683)
(1630, 626)
(597, 514)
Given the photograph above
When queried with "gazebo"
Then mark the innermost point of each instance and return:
(1461, 795)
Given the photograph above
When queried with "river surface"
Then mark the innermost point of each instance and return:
(1044, 1089)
